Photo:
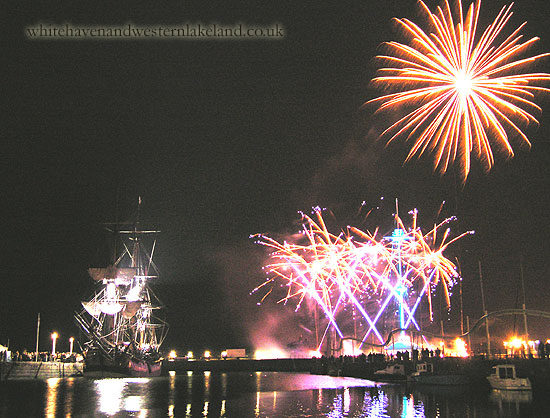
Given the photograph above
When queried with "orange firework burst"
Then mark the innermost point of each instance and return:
(468, 92)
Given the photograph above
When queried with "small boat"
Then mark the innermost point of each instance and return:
(425, 374)
(392, 373)
(504, 377)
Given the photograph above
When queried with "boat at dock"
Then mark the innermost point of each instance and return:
(121, 324)
(391, 373)
(503, 377)
(426, 374)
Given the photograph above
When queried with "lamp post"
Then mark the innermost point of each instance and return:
(54, 338)
(71, 341)
(37, 336)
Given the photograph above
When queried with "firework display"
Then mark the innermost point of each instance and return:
(464, 92)
(343, 271)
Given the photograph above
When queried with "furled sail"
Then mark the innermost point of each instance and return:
(108, 308)
(130, 309)
(121, 275)
(92, 308)
(133, 294)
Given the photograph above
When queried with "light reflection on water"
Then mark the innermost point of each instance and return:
(254, 395)
(51, 401)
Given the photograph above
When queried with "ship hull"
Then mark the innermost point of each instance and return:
(509, 384)
(100, 367)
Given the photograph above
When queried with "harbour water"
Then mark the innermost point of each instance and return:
(256, 395)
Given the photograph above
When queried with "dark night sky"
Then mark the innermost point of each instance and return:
(223, 139)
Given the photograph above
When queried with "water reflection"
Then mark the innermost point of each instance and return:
(510, 400)
(258, 385)
(346, 400)
(255, 395)
(69, 393)
(51, 398)
(115, 395)
(171, 393)
(375, 405)
(109, 392)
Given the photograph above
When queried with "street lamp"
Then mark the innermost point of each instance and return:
(71, 341)
(54, 338)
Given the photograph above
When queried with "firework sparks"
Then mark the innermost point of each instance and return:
(467, 93)
(345, 270)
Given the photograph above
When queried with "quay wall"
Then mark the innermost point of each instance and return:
(239, 365)
(12, 370)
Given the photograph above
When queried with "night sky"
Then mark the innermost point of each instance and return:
(224, 139)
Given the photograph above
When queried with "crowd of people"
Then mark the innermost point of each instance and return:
(544, 349)
(398, 356)
(42, 356)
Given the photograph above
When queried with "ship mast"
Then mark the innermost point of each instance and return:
(119, 318)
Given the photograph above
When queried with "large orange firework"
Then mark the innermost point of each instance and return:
(465, 93)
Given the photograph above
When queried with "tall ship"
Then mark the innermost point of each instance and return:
(122, 325)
